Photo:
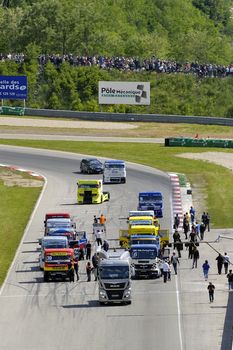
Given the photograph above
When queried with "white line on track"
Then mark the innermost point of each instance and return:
(179, 313)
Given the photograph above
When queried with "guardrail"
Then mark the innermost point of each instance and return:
(129, 117)
(196, 142)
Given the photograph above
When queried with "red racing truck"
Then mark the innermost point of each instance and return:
(58, 264)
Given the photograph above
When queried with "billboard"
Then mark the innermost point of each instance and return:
(121, 92)
(13, 87)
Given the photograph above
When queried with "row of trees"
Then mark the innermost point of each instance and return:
(77, 89)
(184, 30)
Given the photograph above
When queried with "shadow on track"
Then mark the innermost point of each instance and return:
(227, 337)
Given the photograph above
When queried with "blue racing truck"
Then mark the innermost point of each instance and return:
(151, 201)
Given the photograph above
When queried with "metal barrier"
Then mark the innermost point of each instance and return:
(196, 142)
(8, 110)
(129, 117)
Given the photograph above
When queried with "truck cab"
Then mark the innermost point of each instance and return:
(58, 223)
(145, 261)
(48, 242)
(138, 225)
(58, 263)
(114, 279)
(91, 192)
(114, 171)
(151, 201)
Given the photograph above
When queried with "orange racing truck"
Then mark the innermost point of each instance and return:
(58, 264)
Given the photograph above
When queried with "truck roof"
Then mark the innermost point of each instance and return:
(56, 215)
(133, 213)
(150, 192)
(91, 182)
(59, 250)
(51, 220)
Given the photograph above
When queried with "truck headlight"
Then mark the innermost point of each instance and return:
(127, 293)
(102, 294)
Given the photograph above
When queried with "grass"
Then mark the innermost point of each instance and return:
(141, 130)
(15, 209)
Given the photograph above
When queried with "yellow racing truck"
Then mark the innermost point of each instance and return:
(91, 192)
(138, 225)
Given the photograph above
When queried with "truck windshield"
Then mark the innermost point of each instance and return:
(59, 224)
(88, 186)
(54, 244)
(142, 241)
(140, 222)
(142, 253)
(114, 272)
(150, 198)
(114, 166)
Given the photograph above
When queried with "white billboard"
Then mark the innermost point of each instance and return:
(121, 92)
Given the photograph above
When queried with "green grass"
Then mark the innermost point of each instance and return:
(16, 206)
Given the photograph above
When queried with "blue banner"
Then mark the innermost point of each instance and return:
(13, 87)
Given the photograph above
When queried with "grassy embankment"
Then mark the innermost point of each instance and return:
(16, 205)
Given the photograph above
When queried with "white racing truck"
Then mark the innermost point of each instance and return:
(114, 277)
(114, 171)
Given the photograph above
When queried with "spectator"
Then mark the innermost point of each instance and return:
(207, 221)
(88, 271)
(220, 261)
(226, 262)
(211, 289)
(196, 256)
(88, 250)
(175, 261)
(230, 280)
(176, 222)
(95, 263)
(192, 214)
(202, 230)
(176, 236)
(205, 268)
(166, 269)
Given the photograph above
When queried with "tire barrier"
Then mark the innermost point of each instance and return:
(198, 142)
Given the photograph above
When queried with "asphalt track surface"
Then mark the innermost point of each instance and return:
(37, 315)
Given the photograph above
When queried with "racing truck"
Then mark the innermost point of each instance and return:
(114, 171)
(114, 279)
(151, 201)
(138, 225)
(91, 192)
(58, 264)
(145, 259)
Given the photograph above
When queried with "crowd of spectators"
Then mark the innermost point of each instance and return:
(152, 64)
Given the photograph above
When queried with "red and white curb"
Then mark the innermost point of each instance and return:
(29, 172)
(176, 198)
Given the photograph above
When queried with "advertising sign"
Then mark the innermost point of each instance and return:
(121, 92)
(13, 87)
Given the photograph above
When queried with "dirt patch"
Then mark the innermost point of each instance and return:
(11, 179)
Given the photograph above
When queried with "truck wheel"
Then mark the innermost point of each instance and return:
(128, 302)
(102, 303)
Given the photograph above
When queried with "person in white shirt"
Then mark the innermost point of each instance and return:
(226, 262)
(166, 269)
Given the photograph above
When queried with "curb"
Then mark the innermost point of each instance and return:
(29, 172)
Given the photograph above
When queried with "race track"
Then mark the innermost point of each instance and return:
(36, 315)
